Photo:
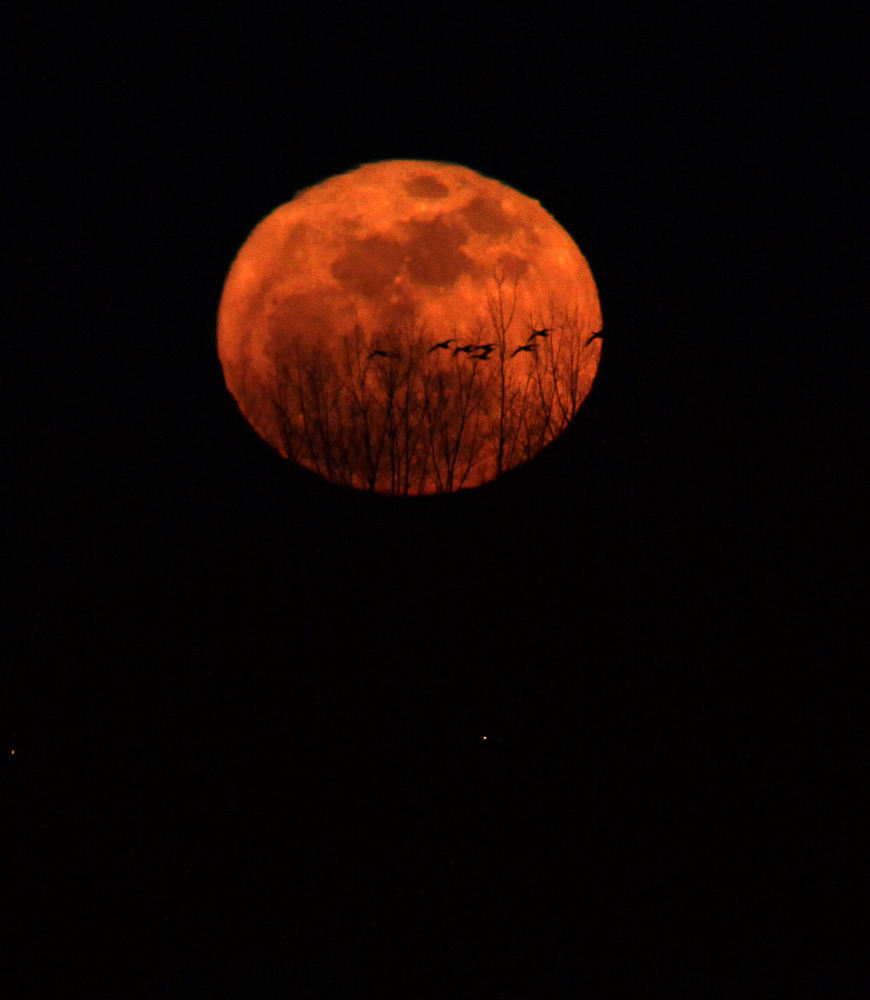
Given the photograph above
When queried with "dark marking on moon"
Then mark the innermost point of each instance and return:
(426, 186)
(302, 314)
(369, 264)
(435, 255)
(512, 266)
(430, 254)
(485, 215)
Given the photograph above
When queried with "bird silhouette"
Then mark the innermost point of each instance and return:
(382, 354)
(595, 336)
(525, 347)
(539, 333)
(445, 344)
(486, 348)
(465, 350)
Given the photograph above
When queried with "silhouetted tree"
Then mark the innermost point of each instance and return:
(395, 411)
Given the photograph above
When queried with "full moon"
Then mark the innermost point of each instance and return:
(409, 327)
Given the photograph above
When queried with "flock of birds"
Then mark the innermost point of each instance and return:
(484, 349)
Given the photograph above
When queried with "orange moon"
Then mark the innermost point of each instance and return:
(409, 327)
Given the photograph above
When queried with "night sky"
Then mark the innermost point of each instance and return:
(248, 707)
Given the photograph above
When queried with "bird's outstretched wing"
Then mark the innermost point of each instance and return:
(545, 332)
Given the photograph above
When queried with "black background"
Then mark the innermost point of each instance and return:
(248, 707)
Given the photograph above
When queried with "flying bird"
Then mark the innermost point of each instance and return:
(485, 352)
(445, 344)
(486, 348)
(525, 347)
(539, 333)
(465, 350)
(383, 354)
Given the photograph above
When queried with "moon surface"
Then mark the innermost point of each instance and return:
(409, 327)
